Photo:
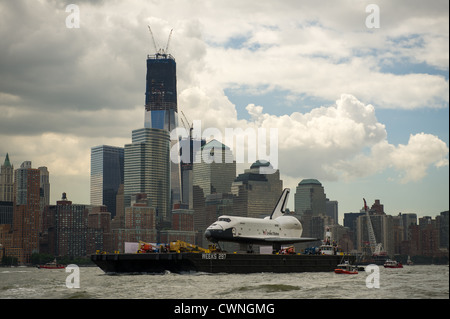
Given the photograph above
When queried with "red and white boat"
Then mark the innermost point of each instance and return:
(52, 265)
(346, 268)
(392, 264)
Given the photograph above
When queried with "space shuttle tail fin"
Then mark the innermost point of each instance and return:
(281, 204)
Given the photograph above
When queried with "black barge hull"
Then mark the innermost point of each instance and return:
(215, 263)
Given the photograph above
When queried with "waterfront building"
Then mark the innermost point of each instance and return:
(107, 174)
(147, 169)
(443, 229)
(310, 197)
(76, 230)
(70, 230)
(140, 215)
(6, 194)
(99, 230)
(26, 216)
(7, 181)
(6, 213)
(140, 222)
(182, 227)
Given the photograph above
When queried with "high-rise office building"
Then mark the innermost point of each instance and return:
(161, 110)
(310, 198)
(26, 219)
(107, 174)
(256, 194)
(147, 169)
(186, 168)
(331, 207)
(161, 92)
(44, 183)
(214, 168)
(6, 192)
(7, 181)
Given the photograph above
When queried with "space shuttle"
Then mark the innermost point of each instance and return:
(276, 230)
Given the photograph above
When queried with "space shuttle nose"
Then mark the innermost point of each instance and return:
(207, 234)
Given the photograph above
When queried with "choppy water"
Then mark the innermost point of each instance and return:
(411, 282)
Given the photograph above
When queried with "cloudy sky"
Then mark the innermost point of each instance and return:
(363, 110)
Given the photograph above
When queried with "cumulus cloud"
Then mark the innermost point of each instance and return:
(63, 91)
(341, 141)
(411, 161)
(333, 142)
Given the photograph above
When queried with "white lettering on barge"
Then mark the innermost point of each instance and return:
(214, 256)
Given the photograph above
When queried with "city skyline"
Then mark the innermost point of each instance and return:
(364, 111)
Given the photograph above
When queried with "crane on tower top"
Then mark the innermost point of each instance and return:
(159, 50)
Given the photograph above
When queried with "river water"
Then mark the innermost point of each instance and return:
(410, 282)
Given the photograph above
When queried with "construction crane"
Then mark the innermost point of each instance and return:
(168, 42)
(160, 51)
(374, 247)
(153, 38)
(188, 126)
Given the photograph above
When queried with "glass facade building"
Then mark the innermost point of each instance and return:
(161, 111)
(161, 92)
(147, 169)
(256, 194)
(214, 168)
(310, 198)
(107, 173)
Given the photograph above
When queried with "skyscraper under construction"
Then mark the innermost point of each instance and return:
(161, 111)
(161, 90)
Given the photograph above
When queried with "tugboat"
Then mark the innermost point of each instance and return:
(392, 264)
(346, 268)
(51, 265)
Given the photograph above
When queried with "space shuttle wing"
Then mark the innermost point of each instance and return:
(291, 240)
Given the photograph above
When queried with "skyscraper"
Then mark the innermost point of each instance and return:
(186, 169)
(256, 194)
(161, 92)
(214, 169)
(44, 182)
(107, 171)
(7, 181)
(147, 169)
(161, 110)
(26, 217)
(309, 198)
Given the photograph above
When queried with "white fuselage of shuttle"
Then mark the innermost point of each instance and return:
(276, 229)
(284, 229)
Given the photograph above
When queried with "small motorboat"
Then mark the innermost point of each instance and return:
(409, 261)
(392, 264)
(346, 268)
(51, 265)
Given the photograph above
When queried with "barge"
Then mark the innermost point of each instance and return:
(215, 262)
